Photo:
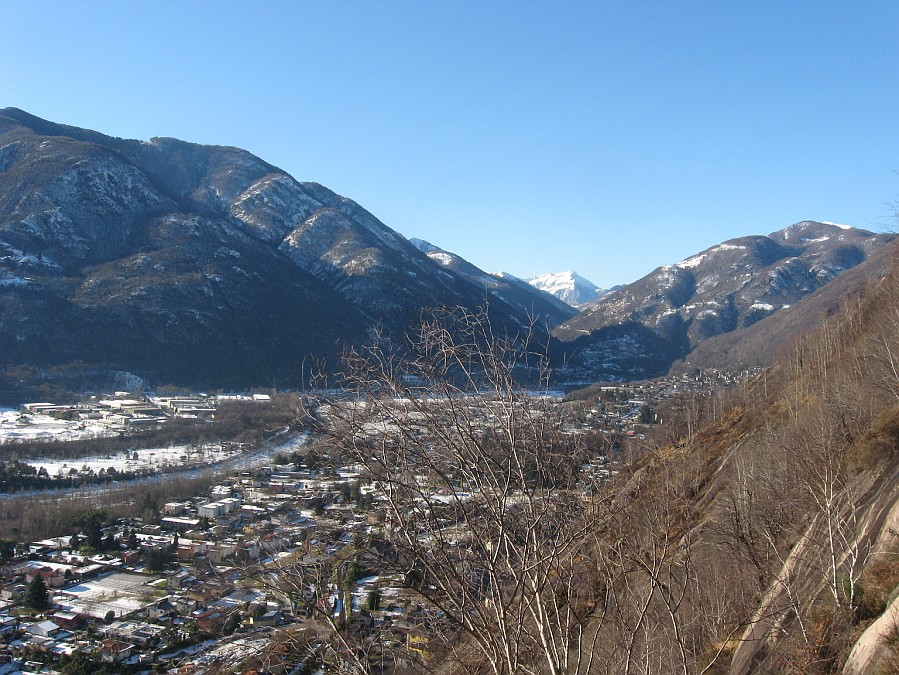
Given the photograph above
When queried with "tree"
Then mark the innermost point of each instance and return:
(158, 560)
(149, 509)
(82, 664)
(7, 550)
(93, 531)
(487, 515)
(232, 623)
(36, 595)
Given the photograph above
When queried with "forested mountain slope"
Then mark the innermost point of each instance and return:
(192, 264)
(761, 343)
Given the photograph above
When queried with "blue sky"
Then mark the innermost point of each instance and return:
(605, 137)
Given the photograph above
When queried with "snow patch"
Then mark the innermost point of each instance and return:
(441, 258)
(17, 426)
(8, 279)
(697, 259)
(148, 460)
(691, 262)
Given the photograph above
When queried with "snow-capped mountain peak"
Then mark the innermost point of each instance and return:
(506, 287)
(568, 286)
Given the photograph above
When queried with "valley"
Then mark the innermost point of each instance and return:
(291, 514)
(713, 493)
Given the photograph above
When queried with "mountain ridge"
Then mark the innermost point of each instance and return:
(194, 264)
(532, 301)
(727, 287)
(205, 265)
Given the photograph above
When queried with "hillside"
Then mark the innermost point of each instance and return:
(194, 265)
(761, 343)
(641, 329)
(762, 524)
(164, 261)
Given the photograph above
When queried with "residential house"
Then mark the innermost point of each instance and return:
(43, 628)
(161, 609)
(116, 651)
(272, 616)
(212, 621)
(13, 592)
(68, 620)
(174, 508)
(209, 591)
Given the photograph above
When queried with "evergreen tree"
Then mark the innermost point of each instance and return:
(75, 542)
(232, 623)
(81, 664)
(37, 596)
(133, 542)
(109, 543)
(149, 509)
(7, 550)
(94, 533)
(159, 560)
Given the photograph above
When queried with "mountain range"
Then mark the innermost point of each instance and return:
(203, 265)
(641, 329)
(206, 266)
(529, 299)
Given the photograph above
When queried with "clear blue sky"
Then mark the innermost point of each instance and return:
(605, 137)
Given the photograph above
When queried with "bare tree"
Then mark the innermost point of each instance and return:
(488, 500)
(310, 586)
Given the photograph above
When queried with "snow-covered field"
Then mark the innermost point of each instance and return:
(120, 593)
(18, 426)
(148, 460)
